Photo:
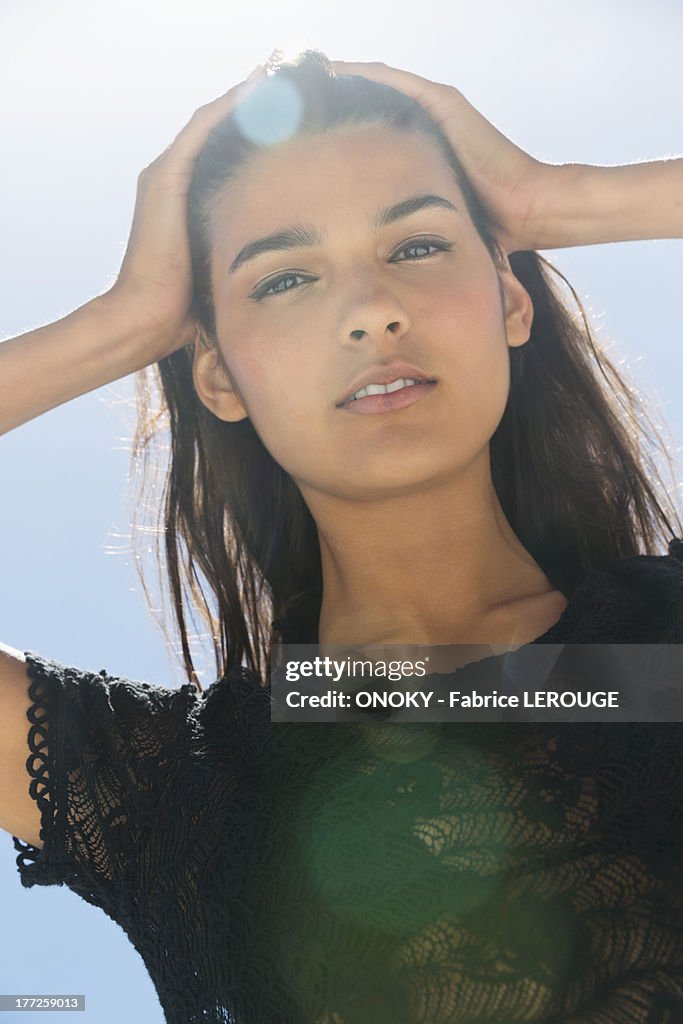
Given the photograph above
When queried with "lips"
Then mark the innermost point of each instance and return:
(384, 373)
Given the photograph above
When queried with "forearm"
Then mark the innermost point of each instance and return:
(46, 367)
(592, 205)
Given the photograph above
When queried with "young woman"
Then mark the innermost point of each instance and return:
(320, 230)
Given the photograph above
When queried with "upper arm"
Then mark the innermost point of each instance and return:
(88, 766)
(19, 813)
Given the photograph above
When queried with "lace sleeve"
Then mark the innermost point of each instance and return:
(102, 752)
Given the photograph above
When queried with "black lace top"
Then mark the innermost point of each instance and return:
(376, 873)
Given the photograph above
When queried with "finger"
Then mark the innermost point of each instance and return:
(439, 100)
(445, 104)
(406, 80)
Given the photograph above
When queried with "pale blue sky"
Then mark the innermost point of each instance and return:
(90, 94)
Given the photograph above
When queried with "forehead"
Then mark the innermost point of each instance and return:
(346, 172)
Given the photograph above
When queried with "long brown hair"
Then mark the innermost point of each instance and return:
(571, 459)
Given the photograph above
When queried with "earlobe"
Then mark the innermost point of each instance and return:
(213, 384)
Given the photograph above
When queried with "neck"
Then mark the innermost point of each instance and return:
(436, 566)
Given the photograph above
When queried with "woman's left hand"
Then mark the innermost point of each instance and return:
(534, 205)
(516, 190)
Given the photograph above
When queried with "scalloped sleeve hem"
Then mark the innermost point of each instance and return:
(44, 865)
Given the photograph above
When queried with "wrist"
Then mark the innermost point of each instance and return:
(137, 343)
(558, 209)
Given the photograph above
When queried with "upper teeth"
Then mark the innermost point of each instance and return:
(383, 389)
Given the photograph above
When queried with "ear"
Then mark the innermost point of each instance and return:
(517, 305)
(213, 383)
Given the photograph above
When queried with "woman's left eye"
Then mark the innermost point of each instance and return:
(426, 243)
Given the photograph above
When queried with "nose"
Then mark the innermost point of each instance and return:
(373, 313)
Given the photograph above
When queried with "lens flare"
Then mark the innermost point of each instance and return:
(271, 113)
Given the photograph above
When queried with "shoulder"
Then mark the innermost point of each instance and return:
(646, 591)
(659, 575)
(89, 708)
(101, 688)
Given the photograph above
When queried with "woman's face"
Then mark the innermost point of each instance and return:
(297, 325)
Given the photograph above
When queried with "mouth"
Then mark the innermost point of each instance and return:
(384, 378)
(377, 398)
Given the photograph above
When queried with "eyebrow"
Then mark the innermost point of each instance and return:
(304, 235)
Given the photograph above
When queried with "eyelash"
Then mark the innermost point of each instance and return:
(263, 291)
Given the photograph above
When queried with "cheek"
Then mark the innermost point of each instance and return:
(473, 353)
(252, 359)
(280, 392)
(469, 313)
(470, 298)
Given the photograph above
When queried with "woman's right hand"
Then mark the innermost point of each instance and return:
(152, 294)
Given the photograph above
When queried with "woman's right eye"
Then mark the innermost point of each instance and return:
(272, 287)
